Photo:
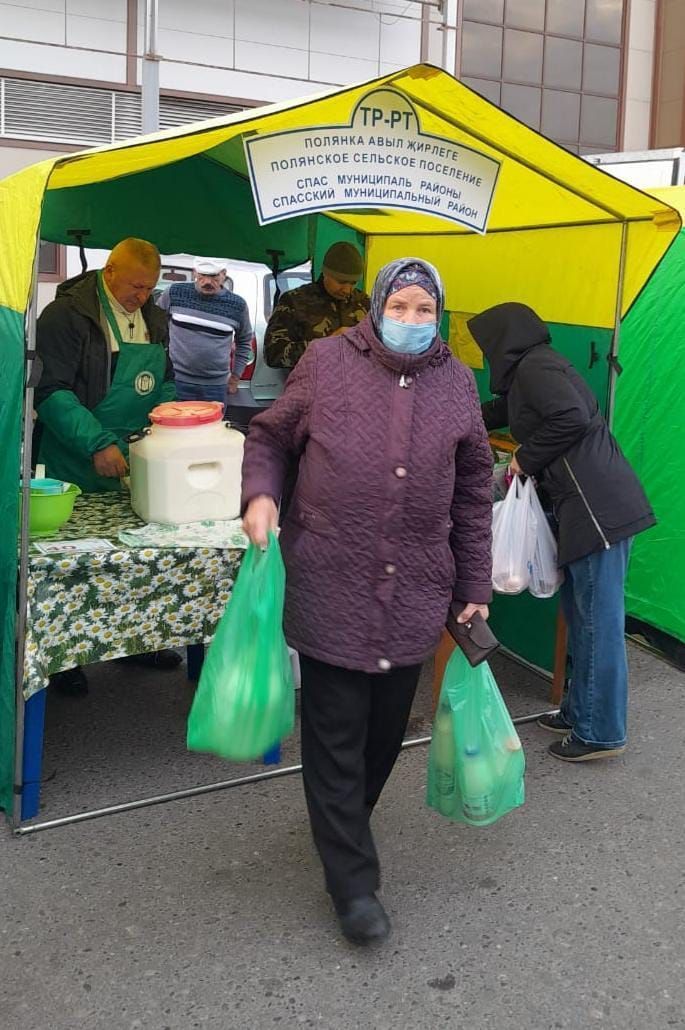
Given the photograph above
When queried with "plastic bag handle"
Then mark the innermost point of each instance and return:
(262, 560)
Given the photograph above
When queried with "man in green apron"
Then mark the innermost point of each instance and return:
(103, 344)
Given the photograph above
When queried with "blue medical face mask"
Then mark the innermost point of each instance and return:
(407, 337)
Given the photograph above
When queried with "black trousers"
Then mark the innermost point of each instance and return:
(353, 724)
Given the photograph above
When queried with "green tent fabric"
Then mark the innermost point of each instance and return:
(11, 402)
(650, 426)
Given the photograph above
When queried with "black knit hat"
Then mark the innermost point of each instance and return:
(344, 262)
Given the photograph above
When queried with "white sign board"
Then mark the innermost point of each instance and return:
(381, 159)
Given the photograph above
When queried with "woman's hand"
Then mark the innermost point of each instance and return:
(260, 519)
(515, 467)
(471, 609)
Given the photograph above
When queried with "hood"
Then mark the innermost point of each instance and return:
(81, 290)
(385, 277)
(505, 333)
(72, 287)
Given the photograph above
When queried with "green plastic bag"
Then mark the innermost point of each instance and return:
(245, 700)
(476, 763)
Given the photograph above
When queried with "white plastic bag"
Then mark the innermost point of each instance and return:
(545, 576)
(514, 529)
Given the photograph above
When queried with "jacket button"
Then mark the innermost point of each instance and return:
(391, 569)
(401, 472)
(409, 380)
(384, 664)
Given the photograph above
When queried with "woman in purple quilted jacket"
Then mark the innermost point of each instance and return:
(389, 527)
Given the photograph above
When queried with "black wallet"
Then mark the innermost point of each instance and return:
(475, 638)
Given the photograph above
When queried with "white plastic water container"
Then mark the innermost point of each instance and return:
(187, 466)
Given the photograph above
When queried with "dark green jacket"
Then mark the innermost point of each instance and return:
(305, 314)
(73, 344)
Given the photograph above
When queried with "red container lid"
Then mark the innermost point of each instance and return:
(187, 413)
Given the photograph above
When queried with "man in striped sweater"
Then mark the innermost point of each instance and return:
(208, 326)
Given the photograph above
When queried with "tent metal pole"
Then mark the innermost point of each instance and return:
(448, 27)
(616, 338)
(207, 788)
(20, 633)
(525, 664)
(150, 70)
(460, 234)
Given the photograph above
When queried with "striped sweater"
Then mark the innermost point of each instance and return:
(203, 332)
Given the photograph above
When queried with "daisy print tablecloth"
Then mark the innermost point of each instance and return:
(102, 604)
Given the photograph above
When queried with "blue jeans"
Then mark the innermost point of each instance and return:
(592, 599)
(196, 392)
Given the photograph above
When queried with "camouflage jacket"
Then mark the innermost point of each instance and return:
(305, 314)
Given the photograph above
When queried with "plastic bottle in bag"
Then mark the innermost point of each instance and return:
(445, 759)
(479, 785)
(509, 747)
(483, 748)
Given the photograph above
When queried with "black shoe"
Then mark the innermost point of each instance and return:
(555, 723)
(164, 659)
(363, 920)
(70, 683)
(571, 750)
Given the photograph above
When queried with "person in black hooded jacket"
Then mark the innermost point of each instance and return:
(599, 506)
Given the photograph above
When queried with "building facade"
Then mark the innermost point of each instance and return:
(668, 114)
(593, 75)
(560, 66)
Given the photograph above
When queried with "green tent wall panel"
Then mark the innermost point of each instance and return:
(11, 396)
(650, 427)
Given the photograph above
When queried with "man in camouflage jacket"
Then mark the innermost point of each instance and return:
(318, 309)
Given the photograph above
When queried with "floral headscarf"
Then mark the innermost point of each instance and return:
(409, 271)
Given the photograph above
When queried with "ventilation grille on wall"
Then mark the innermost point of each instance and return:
(58, 113)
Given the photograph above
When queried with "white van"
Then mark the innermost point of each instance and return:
(646, 169)
(259, 385)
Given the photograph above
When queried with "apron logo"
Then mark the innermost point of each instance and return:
(144, 383)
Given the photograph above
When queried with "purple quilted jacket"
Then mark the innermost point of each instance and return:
(391, 516)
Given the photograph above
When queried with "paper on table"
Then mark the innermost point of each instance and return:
(74, 546)
(208, 533)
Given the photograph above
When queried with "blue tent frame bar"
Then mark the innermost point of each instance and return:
(37, 711)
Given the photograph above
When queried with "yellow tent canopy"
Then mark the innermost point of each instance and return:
(672, 195)
(555, 232)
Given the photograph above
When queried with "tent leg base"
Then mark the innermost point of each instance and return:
(32, 764)
(195, 656)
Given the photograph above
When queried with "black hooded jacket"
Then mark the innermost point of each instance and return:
(565, 441)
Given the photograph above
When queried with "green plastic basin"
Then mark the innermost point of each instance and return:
(49, 512)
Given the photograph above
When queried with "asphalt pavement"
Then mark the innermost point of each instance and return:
(210, 912)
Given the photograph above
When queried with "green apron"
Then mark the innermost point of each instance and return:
(137, 386)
